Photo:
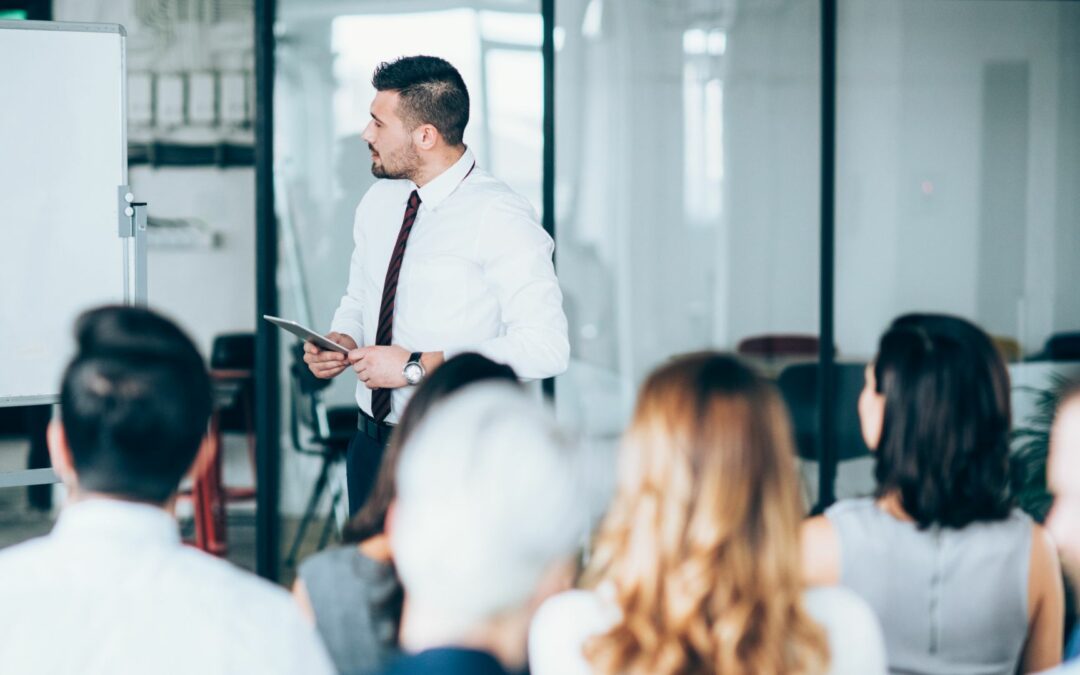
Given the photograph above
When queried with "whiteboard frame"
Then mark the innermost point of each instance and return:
(81, 27)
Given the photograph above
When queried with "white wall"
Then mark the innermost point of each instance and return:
(210, 291)
(772, 128)
(910, 178)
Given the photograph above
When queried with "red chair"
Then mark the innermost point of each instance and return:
(231, 372)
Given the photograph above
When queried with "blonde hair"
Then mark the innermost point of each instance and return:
(701, 546)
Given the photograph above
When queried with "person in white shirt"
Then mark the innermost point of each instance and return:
(112, 589)
(696, 568)
(1063, 521)
(447, 259)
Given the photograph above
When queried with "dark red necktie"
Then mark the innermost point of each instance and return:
(380, 398)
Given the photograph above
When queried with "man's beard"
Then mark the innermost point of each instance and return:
(406, 168)
(379, 171)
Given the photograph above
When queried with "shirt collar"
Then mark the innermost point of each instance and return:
(115, 519)
(432, 194)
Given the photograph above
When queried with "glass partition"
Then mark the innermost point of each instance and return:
(687, 183)
(325, 55)
(958, 153)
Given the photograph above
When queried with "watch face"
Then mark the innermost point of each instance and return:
(413, 373)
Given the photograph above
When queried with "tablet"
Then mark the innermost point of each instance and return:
(305, 334)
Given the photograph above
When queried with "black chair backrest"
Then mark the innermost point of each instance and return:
(325, 426)
(798, 385)
(233, 351)
(1063, 347)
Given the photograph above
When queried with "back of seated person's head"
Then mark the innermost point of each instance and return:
(700, 547)
(490, 500)
(455, 374)
(939, 406)
(134, 405)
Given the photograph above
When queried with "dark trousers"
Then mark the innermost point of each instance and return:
(361, 468)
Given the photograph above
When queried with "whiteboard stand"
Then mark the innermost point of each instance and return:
(132, 227)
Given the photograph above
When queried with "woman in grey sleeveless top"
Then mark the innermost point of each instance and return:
(352, 593)
(963, 583)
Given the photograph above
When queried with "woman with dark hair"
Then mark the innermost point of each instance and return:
(352, 593)
(962, 582)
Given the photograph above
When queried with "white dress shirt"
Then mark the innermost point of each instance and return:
(113, 590)
(477, 276)
(568, 620)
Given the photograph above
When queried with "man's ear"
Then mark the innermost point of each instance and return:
(426, 136)
(60, 454)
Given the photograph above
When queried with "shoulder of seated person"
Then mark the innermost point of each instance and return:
(219, 577)
(576, 611)
(856, 640)
(329, 557)
(571, 602)
(837, 601)
(847, 618)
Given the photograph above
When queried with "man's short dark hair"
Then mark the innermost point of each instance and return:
(945, 437)
(432, 92)
(134, 404)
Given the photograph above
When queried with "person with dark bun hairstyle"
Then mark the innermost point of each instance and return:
(447, 259)
(962, 581)
(113, 589)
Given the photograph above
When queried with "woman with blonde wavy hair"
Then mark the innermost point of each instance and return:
(696, 567)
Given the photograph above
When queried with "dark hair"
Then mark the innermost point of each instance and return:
(944, 444)
(432, 92)
(134, 404)
(457, 373)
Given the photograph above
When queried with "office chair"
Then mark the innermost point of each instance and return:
(232, 363)
(321, 432)
(1060, 347)
(798, 385)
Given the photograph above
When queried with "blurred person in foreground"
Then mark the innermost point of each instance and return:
(112, 589)
(490, 510)
(352, 592)
(696, 568)
(963, 582)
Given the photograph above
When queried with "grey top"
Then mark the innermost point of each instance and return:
(951, 601)
(351, 595)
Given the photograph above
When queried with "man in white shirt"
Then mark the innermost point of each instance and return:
(447, 259)
(1063, 521)
(112, 589)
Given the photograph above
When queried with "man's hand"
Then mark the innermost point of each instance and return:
(380, 367)
(325, 363)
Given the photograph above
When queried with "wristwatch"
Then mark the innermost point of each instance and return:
(413, 370)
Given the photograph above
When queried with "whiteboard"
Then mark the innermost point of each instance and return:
(63, 155)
